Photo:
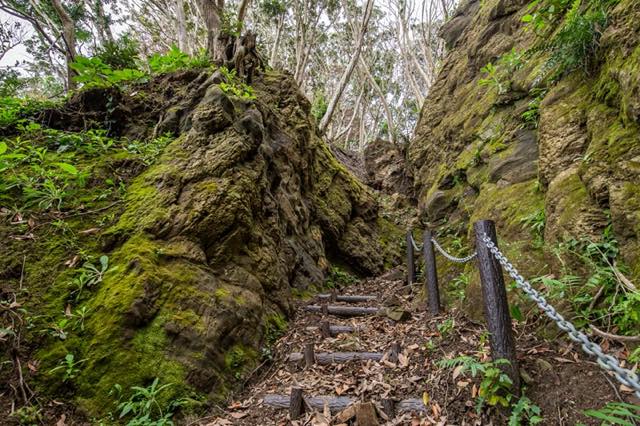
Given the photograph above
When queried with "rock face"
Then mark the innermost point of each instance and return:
(246, 206)
(386, 167)
(523, 145)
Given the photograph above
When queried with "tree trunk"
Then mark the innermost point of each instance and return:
(324, 123)
(276, 43)
(211, 11)
(102, 23)
(383, 99)
(242, 12)
(69, 36)
(183, 40)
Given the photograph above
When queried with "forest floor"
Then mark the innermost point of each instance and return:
(558, 377)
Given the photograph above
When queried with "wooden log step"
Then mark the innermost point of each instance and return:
(348, 298)
(339, 403)
(332, 330)
(338, 357)
(343, 311)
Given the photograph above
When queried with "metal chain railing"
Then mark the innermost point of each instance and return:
(625, 376)
(414, 244)
(451, 257)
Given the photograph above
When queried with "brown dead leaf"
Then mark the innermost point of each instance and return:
(234, 405)
(71, 263)
(91, 231)
(239, 414)
(62, 420)
(626, 389)
(403, 360)
(457, 371)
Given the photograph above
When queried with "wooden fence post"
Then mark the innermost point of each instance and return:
(496, 306)
(431, 274)
(296, 403)
(411, 267)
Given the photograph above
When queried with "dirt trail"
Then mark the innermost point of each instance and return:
(558, 378)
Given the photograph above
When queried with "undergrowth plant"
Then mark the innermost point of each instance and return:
(93, 72)
(89, 275)
(605, 297)
(69, 366)
(495, 384)
(498, 75)
(234, 86)
(145, 406)
(525, 412)
(446, 327)
(570, 31)
(536, 223)
(458, 286)
(338, 278)
(14, 110)
(617, 413)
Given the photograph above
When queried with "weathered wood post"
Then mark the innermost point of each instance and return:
(411, 267)
(325, 329)
(389, 408)
(431, 274)
(309, 355)
(296, 403)
(496, 306)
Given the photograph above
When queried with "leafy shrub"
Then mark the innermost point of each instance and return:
(14, 110)
(11, 82)
(175, 60)
(234, 86)
(93, 72)
(120, 54)
(319, 106)
(573, 46)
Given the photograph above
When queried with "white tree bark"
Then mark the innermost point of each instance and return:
(69, 37)
(344, 80)
(183, 38)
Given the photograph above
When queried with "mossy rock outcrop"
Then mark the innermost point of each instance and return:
(245, 207)
(564, 146)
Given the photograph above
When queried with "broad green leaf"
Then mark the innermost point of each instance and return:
(104, 261)
(3, 148)
(68, 168)
(611, 419)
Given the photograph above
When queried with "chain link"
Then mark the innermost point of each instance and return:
(450, 257)
(627, 377)
(414, 244)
